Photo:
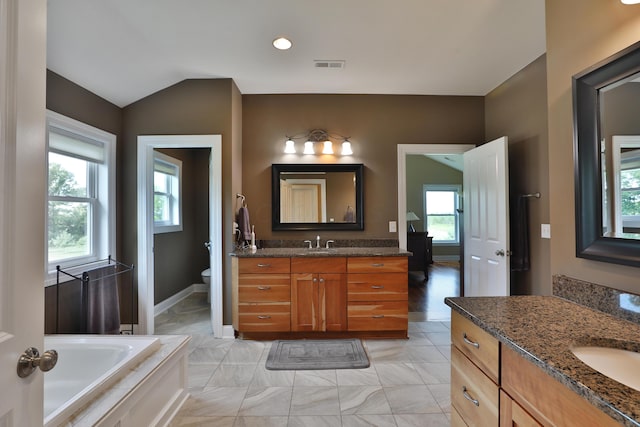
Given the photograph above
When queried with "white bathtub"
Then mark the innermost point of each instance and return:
(87, 366)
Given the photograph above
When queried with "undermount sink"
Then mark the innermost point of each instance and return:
(617, 364)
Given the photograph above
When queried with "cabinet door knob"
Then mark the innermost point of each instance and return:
(378, 316)
(264, 317)
(264, 265)
(377, 264)
(377, 287)
(264, 288)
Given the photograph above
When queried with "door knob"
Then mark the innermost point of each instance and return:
(501, 252)
(31, 359)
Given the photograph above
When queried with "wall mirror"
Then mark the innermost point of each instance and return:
(606, 102)
(317, 197)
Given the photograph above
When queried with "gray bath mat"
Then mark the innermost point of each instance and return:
(317, 354)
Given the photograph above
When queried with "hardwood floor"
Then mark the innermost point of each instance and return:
(426, 298)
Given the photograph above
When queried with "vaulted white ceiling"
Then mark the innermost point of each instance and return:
(124, 50)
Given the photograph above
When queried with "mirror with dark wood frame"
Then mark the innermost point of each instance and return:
(317, 197)
(606, 101)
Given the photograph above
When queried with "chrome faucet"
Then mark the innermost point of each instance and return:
(327, 244)
(309, 242)
(318, 242)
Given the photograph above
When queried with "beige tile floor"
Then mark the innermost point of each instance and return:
(407, 384)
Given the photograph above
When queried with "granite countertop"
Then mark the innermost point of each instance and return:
(321, 252)
(543, 330)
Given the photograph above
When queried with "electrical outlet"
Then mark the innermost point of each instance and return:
(545, 231)
(393, 227)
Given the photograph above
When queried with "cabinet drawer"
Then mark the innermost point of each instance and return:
(377, 316)
(319, 265)
(264, 288)
(264, 317)
(264, 265)
(377, 265)
(377, 287)
(473, 394)
(480, 347)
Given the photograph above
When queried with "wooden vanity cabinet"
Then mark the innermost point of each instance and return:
(492, 385)
(377, 293)
(262, 295)
(318, 294)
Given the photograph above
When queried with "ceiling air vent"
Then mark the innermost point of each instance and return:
(329, 64)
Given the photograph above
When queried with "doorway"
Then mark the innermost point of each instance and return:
(146, 291)
(427, 294)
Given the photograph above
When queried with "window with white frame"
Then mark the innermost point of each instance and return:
(167, 203)
(630, 188)
(441, 218)
(81, 192)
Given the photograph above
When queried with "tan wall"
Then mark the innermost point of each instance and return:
(190, 107)
(375, 123)
(518, 109)
(579, 33)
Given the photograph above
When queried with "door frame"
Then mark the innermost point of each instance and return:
(146, 291)
(403, 151)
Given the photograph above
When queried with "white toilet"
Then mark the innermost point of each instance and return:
(206, 279)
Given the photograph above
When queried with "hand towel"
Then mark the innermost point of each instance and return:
(244, 223)
(520, 235)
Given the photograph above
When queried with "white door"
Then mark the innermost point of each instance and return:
(22, 198)
(304, 203)
(486, 220)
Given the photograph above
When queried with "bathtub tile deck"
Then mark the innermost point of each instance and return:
(407, 383)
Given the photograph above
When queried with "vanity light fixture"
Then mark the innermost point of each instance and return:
(282, 43)
(308, 148)
(630, 1)
(346, 148)
(318, 136)
(328, 148)
(289, 147)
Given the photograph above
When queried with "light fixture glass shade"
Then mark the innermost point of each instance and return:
(346, 148)
(289, 147)
(328, 148)
(411, 216)
(630, 1)
(308, 148)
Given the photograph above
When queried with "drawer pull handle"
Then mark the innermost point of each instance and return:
(377, 287)
(264, 288)
(264, 265)
(377, 264)
(468, 396)
(378, 316)
(468, 341)
(264, 317)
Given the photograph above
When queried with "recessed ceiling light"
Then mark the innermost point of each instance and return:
(282, 43)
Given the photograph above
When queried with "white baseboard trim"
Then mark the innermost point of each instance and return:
(200, 287)
(228, 332)
(446, 257)
(176, 298)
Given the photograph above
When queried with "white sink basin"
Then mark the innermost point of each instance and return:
(620, 365)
